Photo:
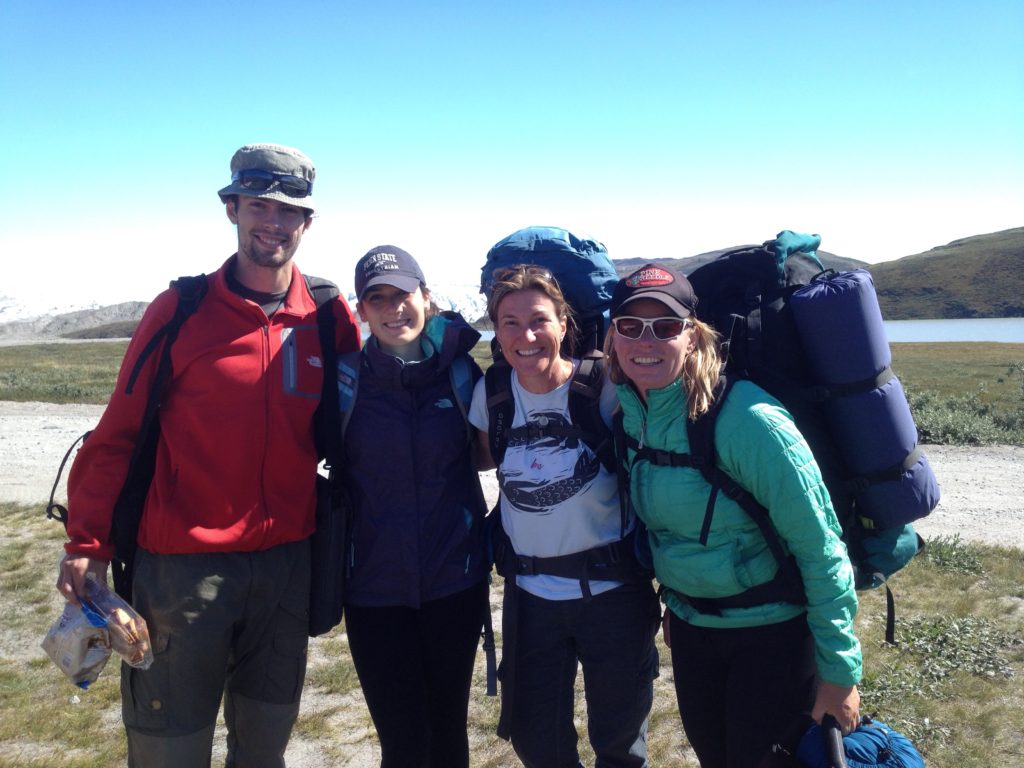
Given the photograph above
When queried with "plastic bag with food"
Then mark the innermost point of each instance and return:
(77, 646)
(129, 635)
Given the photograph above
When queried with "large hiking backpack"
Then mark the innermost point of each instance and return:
(131, 500)
(814, 339)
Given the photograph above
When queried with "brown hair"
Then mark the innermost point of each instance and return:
(529, 277)
(701, 367)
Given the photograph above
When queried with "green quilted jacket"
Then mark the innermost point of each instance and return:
(760, 447)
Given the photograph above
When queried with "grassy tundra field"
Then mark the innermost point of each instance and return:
(961, 393)
(954, 683)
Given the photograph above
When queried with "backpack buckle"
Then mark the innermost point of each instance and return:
(525, 566)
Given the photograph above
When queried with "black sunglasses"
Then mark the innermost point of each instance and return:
(663, 328)
(258, 180)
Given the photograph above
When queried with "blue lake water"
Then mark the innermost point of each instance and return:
(1004, 329)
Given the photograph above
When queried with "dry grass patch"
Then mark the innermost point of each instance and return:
(954, 684)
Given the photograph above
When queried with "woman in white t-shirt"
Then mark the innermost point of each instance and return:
(560, 506)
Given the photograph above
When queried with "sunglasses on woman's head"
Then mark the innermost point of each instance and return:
(503, 274)
(663, 328)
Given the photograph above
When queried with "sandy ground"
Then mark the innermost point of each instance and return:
(981, 498)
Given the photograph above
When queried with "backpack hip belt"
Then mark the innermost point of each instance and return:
(615, 561)
(609, 562)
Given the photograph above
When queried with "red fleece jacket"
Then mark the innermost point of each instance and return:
(236, 460)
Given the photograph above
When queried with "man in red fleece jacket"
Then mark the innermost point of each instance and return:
(221, 574)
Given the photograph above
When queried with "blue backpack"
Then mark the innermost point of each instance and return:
(581, 266)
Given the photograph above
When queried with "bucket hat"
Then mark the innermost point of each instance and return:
(274, 172)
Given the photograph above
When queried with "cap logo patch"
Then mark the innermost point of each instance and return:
(650, 277)
(381, 261)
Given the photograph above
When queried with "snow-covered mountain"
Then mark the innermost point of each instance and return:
(13, 309)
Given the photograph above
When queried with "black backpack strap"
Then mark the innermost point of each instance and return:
(328, 417)
(128, 508)
(501, 409)
(622, 466)
(585, 408)
(55, 511)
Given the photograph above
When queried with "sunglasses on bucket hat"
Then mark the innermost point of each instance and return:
(663, 328)
(258, 180)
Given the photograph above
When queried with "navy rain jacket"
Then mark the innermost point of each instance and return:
(417, 532)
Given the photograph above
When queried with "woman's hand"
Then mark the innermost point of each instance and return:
(842, 702)
(665, 633)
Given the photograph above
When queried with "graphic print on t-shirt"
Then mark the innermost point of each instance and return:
(540, 473)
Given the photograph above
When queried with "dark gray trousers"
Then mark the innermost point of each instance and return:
(231, 625)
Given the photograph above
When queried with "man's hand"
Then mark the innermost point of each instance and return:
(72, 572)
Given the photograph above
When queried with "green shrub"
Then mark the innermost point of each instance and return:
(949, 554)
(964, 419)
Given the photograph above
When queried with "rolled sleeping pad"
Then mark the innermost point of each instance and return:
(876, 434)
(840, 325)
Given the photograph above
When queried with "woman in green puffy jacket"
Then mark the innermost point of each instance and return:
(746, 664)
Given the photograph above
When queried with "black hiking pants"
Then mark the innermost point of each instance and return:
(740, 690)
(415, 667)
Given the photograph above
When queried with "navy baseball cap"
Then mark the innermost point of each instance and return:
(388, 265)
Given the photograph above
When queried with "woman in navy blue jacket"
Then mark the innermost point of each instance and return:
(417, 593)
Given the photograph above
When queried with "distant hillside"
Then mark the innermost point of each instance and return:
(687, 264)
(98, 323)
(121, 329)
(981, 276)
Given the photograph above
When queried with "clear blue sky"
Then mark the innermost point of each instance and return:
(661, 128)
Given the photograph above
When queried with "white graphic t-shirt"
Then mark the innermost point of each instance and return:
(556, 497)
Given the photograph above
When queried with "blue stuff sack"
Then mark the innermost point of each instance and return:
(872, 745)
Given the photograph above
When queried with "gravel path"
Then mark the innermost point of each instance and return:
(981, 498)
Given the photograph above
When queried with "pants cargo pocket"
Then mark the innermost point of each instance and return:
(286, 663)
(146, 693)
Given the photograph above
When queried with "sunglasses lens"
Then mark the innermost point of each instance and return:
(667, 327)
(293, 186)
(664, 328)
(255, 179)
(258, 180)
(630, 327)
